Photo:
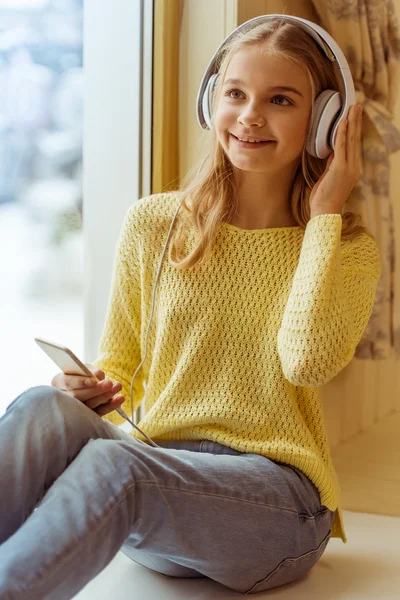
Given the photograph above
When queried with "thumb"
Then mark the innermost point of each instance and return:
(98, 372)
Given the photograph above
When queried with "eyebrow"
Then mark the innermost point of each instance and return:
(276, 87)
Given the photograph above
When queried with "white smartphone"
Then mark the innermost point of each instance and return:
(64, 358)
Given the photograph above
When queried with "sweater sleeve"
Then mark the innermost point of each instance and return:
(119, 345)
(329, 304)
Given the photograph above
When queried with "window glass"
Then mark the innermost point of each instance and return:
(41, 241)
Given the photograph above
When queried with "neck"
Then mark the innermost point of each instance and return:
(264, 199)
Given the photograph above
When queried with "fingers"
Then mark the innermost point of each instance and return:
(103, 399)
(353, 150)
(100, 393)
(78, 382)
(98, 396)
(67, 383)
(75, 382)
(340, 145)
(348, 141)
(358, 144)
(98, 372)
(108, 407)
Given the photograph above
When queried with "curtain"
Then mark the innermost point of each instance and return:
(368, 33)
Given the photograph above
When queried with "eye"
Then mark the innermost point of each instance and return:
(230, 91)
(278, 96)
(284, 97)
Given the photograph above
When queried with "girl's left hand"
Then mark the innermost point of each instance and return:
(343, 168)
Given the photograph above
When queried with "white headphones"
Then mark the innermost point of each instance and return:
(325, 120)
(328, 112)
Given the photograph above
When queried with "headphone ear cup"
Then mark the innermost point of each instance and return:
(208, 98)
(323, 124)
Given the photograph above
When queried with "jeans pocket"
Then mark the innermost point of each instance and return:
(291, 569)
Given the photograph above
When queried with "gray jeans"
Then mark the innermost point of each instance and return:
(75, 489)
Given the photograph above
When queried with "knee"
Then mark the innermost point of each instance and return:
(117, 456)
(36, 392)
(40, 397)
(103, 451)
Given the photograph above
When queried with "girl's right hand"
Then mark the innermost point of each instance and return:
(98, 397)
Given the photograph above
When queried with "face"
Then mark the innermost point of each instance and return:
(254, 108)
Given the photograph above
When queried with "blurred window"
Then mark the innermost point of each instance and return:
(41, 241)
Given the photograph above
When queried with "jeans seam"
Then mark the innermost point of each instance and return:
(202, 493)
(81, 543)
(292, 561)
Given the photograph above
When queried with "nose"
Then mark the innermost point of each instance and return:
(250, 116)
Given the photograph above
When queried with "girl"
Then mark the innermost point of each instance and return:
(264, 297)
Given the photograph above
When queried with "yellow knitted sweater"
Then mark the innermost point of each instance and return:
(238, 349)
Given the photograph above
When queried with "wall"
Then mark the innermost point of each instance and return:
(203, 27)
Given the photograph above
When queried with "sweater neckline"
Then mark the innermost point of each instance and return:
(234, 229)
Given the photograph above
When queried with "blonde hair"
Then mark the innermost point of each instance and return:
(209, 192)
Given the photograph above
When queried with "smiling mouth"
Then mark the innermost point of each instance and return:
(255, 144)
